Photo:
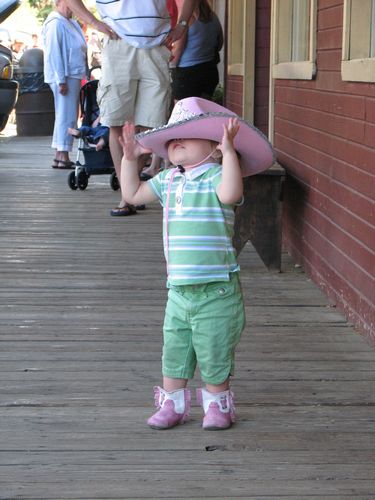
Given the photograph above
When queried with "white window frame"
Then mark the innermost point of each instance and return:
(235, 44)
(363, 69)
(299, 70)
(245, 50)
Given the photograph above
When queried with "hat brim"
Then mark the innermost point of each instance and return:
(256, 154)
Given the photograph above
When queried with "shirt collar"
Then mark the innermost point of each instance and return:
(196, 172)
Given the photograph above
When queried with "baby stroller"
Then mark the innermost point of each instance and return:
(95, 162)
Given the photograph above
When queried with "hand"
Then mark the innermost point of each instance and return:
(174, 35)
(131, 148)
(63, 88)
(104, 28)
(230, 132)
(230, 189)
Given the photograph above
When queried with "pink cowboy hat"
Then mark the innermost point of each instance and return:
(196, 118)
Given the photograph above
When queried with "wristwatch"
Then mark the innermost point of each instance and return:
(183, 23)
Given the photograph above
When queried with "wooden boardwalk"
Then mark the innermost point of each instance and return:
(81, 309)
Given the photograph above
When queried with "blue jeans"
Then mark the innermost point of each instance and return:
(93, 134)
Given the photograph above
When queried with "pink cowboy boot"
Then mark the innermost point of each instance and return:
(173, 407)
(218, 409)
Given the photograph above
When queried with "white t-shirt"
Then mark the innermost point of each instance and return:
(142, 23)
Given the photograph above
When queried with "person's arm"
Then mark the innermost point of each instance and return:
(54, 55)
(178, 48)
(79, 9)
(230, 189)
(186, 12)
(133, 190)
(220, 37)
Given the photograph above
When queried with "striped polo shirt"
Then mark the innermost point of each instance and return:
(200, 227)
(141, 23)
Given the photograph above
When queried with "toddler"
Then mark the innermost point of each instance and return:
(204, 316)
(97, 134)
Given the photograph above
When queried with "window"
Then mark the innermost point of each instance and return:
(235, 38)
(294, 35)
(358, 48)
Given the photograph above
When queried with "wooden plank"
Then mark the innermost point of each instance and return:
(145, 485)
(81, 310)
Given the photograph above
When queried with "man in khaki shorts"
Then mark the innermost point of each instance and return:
(135, 81)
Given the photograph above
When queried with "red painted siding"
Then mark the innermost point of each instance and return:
(325, 138)
(234, 94)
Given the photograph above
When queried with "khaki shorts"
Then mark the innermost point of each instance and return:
(134, 85)
(203, 325)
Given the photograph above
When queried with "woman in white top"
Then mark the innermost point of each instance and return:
(65, 65)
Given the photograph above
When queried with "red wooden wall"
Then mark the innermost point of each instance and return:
(234, 93)
(325, 138)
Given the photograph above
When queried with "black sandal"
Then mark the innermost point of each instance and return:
(55, 162)
(65, 165)
(123, 211)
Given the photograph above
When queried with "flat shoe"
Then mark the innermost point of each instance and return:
(56, 161)
(123, 211)
(65, 165)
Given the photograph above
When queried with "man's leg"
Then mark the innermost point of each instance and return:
(116, 153)
(115, 149)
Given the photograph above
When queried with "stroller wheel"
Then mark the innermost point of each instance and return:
(72, 181)
(82, 180)
(113, 182)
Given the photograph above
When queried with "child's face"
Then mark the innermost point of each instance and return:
(189, 151)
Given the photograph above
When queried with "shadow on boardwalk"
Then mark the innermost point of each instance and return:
(82, 299)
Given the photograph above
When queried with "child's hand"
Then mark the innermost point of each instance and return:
(230, 189)
(230, 132)
(131, 148)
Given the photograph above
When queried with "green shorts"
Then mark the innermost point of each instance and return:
(203, 325)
